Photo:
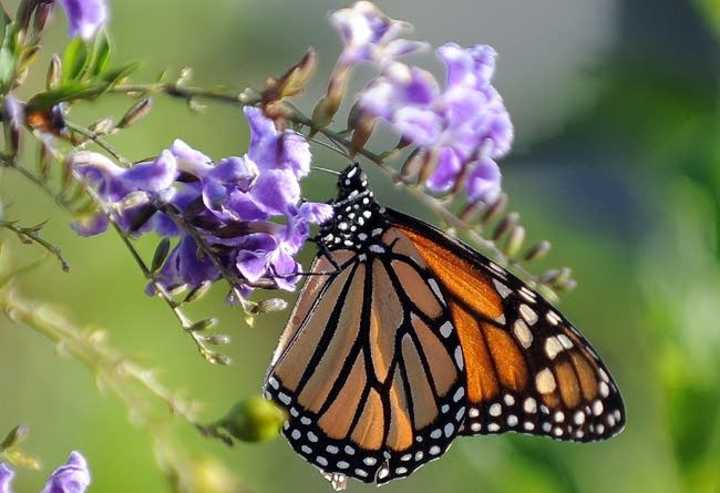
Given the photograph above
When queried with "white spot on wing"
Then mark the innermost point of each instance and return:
(502, 289)
(545, 381)
(522, 333)
(528, 314)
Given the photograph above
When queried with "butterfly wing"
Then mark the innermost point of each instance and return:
(369, 368)
(528, 369)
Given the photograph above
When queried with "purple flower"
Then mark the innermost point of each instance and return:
(13, 111)
(247, 210)
(464, 125)
(369, 35)
(185, 266)
(85, 17)
(114, 183)
(6, 477)
(270, 149)
(73, 477)
(483, 182)
(266, 255)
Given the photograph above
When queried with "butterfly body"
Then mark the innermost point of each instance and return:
(413, 338)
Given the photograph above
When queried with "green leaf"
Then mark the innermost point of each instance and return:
(68, 92)
(101, 54)
(75, 59)
(5, 20)
(8, 54)
(116, 76)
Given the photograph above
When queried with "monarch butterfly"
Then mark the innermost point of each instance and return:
(412, 339)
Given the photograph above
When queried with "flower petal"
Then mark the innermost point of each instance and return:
(446, 171)
(85, 17)
(148, 177)
(190, 160)
(483, 182)
(316, 212)
(6, 477)
(91, 225)
(73, 477)
(252, 265)
(276, 191)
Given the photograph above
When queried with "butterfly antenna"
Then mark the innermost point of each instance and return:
(326, 170)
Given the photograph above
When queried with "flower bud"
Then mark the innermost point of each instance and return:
(203, 325)
(42, 14)
(54, 74)
(515, 241)
(291, 82)
(102, 127)
(327, 107)
(219, 359)
(363, 132)
(137, 112)
(497, 208)
(538, 251)
(16, 436)
(253, 420)
(506, 225)
(218, 339)
(271, 305)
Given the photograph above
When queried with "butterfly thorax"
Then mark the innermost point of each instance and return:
(358, 220)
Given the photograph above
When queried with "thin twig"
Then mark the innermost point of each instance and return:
(31, 235)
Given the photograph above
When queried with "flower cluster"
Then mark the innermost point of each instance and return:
(73, 477)
(463, 127)
(247, 210)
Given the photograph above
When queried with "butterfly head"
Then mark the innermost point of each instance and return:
(357, 218)
(352, 182)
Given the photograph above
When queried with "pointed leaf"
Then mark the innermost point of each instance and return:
(75, 59)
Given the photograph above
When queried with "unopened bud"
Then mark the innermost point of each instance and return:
(42, 14)
(470, 211)
(54, 74)
(506, 225)
(330, 103)
(203, 325)
(218, 339)
(198, 292)
(254, 420)
(219, 359)
(362, 134)
(497, 208)
(102, 127)
(271, 305)
(515, 241)
(161, 253)
(538, 251)
(16, 436)
(293, 81)
(411, 167)
(137, 112)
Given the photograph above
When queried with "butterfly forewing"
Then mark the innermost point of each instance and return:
(528, 369)
(370, 368)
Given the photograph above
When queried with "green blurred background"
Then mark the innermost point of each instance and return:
(617, 162)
